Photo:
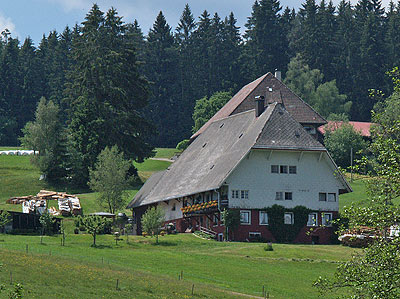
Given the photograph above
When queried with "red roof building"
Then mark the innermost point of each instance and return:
(362, 127)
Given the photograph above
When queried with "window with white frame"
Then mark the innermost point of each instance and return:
(288, 218)
(283, 169)
(244, 194)
(292, 169)
(312, 219)
(254, 235)
(263, 218)
(274, 168)
(288, 195)
(332, 197)
(279, 195)
(327, 219)
(245, 217)
(322, 196)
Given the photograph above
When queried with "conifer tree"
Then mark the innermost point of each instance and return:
(265, 39)
(11, 88)
(161, 61)
(106, 92)
(231, 51)
(30, 68)
(202, 40)
(392, 37)
(187, 65)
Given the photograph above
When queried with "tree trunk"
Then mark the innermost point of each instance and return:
(94, 240)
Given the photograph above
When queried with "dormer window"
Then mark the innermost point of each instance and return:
(310, 129)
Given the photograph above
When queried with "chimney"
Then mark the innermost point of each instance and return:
(260, 105)
(278, 75)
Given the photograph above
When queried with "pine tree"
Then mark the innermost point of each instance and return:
(392, 37)
(202, 41)
(231, 51)
(106, 92)
(134, 33)
(161, 61)
(328, 49)
(30, 68)
(11, 88)
(369, 21)
(308, 44)
(265, 38)
(188, 75)
(346, 47)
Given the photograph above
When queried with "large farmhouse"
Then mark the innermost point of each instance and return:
(251, 161)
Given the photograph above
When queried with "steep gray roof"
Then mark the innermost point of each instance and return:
(282, 131)
(274, 91)
(214, 154)
(206, 163)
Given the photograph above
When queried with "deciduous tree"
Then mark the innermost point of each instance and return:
(110, 178)
(206, 108)
(375, 272)
(152, 221)
(46, 136)
(94, 225)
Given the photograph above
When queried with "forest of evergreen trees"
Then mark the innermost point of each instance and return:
(354, 45)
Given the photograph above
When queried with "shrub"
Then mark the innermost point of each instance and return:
(268, 247)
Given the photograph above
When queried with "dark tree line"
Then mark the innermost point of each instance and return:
(353, 45)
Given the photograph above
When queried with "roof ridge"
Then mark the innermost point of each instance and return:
(309, 106)
(215, 116)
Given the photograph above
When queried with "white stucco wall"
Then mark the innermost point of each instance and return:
(169, 213)
(313, 176)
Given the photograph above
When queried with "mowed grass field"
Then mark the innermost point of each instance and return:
(145, 270)
(19, 178)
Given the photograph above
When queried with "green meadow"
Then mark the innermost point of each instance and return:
(145, 270)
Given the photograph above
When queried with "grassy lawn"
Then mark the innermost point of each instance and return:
(358, 196)
(145, 270)
(148, 167)
(167, 153)
(19, 178)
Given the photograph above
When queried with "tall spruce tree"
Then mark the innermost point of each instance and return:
(30, 68)
(106, 92)
(265, 39)
(326, 38)
(231, 51)
(202, 40)
(369, 21)
(392, 37)
(346, 47)
(187, 68)
(161, 60)
(11, 88)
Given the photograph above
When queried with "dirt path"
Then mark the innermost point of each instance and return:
(162, 159)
